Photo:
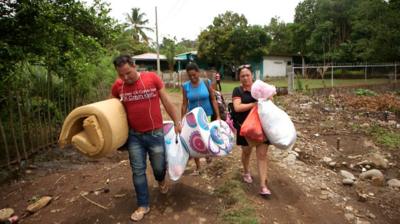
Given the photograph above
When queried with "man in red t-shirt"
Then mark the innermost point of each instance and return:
(140, 94)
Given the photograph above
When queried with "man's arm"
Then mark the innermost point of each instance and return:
(184, 103)
(170, 108)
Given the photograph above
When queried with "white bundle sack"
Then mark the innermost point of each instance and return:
(261, 90)
(202, 139)
(177, 156)
(221, 138)
(276, 124)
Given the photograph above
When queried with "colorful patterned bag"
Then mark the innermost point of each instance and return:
(203, 139)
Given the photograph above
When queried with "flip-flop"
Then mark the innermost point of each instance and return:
(247, 178)
(139, 214)
(265, 192)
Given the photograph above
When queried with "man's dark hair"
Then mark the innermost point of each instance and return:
(123, 59)
(192, 66)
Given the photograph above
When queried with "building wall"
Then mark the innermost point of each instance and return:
(258, 70)
(276, 66)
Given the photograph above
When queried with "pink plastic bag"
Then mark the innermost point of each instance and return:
(262, 90)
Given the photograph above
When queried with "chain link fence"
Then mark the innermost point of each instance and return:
(342, 75)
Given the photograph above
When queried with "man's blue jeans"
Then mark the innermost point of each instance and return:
(139, 146)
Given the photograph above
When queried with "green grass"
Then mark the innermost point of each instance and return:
(174, 90)
(365, 92)
(385, 137)
(237, 208)
(380, 135)
(228, 86)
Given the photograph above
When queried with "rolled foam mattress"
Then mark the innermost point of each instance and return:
(96, 129)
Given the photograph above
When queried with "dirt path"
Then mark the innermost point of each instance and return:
(190, 200)
(304, 188)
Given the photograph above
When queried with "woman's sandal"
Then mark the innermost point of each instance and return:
(265, 192)
(247, 178)
(139, 214)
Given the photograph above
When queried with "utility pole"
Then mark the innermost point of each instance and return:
(158, 49)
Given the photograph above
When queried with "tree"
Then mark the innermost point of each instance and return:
(376, 31)
(281, 37)
(137, 23)
(126, 44)
(230, 41)
(347, 30)
(168, 48)
(186, 46)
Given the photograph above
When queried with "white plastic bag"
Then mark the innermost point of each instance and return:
(276, 124)
(261, 90)
(177, 156)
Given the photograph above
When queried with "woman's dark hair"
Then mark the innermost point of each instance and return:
(123, 59)
(192, 66)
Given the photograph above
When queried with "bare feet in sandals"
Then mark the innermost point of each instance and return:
(139, 213)
(265, 192)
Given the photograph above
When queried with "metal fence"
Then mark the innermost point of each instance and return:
(32, 111)
(360, 73)
(175, 79)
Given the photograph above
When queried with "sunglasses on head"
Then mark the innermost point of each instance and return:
(244, 66)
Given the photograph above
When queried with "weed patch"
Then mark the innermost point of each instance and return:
(385, 137)
(365, 92)
(236, 207)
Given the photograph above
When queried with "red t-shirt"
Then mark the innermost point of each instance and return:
(141, 101)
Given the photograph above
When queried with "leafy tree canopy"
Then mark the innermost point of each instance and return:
(230, 40)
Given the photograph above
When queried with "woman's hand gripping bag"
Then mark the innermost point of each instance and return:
(276, 124)
(251, 128)
(177, 156)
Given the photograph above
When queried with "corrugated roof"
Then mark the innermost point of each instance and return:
(189, 52)
(151, 57)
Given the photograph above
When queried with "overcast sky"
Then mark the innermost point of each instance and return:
(187, 18)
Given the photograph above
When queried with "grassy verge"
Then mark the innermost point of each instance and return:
(301, 84)
(228, 86)
(385, 136)
(236, 207)
(380, 135)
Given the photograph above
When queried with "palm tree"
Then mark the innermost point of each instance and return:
(137, 23)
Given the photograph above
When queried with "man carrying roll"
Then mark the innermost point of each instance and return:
(141, 93)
